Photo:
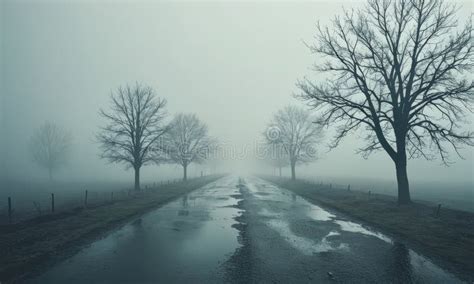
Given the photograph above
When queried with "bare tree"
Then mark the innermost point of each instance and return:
(50, 147)
(399, 69)
(186, 142)
(275, 155)
(214, 161)
(293, 129)
(134, 125)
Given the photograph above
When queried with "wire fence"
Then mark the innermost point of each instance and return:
(384, 191)
(351, 187)
(16, 208)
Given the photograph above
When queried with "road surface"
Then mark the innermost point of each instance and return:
(254, 233)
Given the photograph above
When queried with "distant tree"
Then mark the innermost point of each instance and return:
(214, 160)
(292, 128)
(401, 70)
(275, 155)
(135, 122)
(50, 147)
(187, 141)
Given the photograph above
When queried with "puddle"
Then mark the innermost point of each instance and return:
(357, 228)
(319, 214)
(305, 245)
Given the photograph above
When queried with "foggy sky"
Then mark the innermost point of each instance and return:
(232, 63)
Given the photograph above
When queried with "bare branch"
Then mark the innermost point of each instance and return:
(134, 125)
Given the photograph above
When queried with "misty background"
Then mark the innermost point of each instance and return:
(232, 63)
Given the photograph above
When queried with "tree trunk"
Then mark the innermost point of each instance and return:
(137, 179)
(293, 172)
(185, 172)
(402, 181)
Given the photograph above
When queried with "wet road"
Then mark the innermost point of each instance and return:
(185, 241)
(296, 241)
(258, 233)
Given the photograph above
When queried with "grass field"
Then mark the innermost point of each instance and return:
(32, 198)
(452, 194)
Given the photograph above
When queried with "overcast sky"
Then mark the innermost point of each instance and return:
(231, 63)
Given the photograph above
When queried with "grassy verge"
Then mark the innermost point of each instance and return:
(27, 247)
(449, 236)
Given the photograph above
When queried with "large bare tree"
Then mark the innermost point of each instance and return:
(135, 122)
(293, 129)
(400, 70)
(50, 147)
(187, 141)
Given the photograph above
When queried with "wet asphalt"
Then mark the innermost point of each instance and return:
(253, 233)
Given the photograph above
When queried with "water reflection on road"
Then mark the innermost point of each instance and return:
(324, 242)
(184, 241)
(279, 238)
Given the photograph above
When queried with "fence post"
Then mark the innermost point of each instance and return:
(330, 186)
(349, 187)
(85, 198)
(9, 210)
(437, 210)
(52, 202)
(112, 196)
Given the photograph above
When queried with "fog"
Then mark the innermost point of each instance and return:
(232, 63)
(75, 81)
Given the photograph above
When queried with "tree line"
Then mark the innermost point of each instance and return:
(135, 134)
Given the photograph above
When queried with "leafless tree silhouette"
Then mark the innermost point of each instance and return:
(293, 129)
(275, 155)
(186, 142)
(134, 125)
(399, 69)
(50, 147)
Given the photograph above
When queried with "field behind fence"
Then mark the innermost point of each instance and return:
(20, 201)
(455, 196)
